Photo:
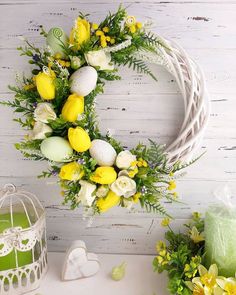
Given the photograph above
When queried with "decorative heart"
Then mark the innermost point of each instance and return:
(79, 263)
(25, 242)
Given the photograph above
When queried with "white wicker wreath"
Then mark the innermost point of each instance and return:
(191, 82)
(58, 102)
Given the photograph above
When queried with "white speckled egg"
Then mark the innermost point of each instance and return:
(56, 149)
(83, 81)
(55, 38)
(103, 152)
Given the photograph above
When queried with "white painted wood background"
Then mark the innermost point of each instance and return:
(137, 108)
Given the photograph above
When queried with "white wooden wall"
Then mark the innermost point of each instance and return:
(136, 108)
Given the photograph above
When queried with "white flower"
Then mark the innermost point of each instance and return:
(75, 62)
(124, 159)
(102, 191)
(44, 112)
(99, 58)
(124, 186)
(85, 195)
(39, 131)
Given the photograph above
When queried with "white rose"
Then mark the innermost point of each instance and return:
(75, 62)
(44, 112)
(124, 159)
(39, 131)
(124, 186)
(85, 195)
(99, 58)
(102, 191)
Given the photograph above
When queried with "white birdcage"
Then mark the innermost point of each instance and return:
(23, 248)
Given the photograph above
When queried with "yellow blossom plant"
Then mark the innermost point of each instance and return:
(57, 104)
(182, 257)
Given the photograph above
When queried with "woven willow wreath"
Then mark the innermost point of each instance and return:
(58, 104)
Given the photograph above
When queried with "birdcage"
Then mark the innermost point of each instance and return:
(23, 248)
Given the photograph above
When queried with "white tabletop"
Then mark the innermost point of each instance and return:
(139, 279)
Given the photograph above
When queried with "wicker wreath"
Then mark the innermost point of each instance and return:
(191, 82)
(59, 105)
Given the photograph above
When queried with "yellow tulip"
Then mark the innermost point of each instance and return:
(79, 139)
(71, 171)
(104, 175)
(108, 202)
(45, 85)
(80, 33)
(73, 107)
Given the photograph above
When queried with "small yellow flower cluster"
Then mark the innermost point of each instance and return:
(61, 62)
(165, 221)
(164, 257)
(172, 185)
(103, 38)
(132, 25)
(191, 269)
(29, 86)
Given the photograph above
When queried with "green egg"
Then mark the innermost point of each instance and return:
(55, 38)
(56, 149)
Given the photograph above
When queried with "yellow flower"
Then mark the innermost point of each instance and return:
(29, 86)
(105, 29)
(71, 171)
(58, 55)
(208, 277)
(172, 185)
(196, 215)
(142, 163)
(95, 26)
(132, 29)
(175, 195)
(99, 33)
(227, 284)
(73, 107)
(108, 202)
(160, 246)
(139, 25)
(195, 236)
(79, 139)
(104, 175)
(104, 44)
(45, 85)
(80, 33)
(136, 197)
(165, 221)
(112, 41)
(197, 288)
(132, 173)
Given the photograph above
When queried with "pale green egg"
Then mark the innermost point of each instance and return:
(55, 39)
(56, 149)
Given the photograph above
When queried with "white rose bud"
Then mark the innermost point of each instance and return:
(102, 191)
(75, 62)
(44, 112)
(39, 131)
(99, 58)
(124, 186)
(125, 159)
(85, 195)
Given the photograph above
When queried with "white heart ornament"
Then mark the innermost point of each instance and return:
(79, 263)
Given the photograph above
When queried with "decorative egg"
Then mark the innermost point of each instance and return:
(55, 39)
(83, 81)
(103, 152)
(56, 149)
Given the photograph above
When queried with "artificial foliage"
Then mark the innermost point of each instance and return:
(182, 256)
(46, 103)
